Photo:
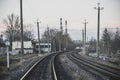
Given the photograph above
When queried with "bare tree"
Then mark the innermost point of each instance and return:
(13, 32)
(54, 37)
(12, 23)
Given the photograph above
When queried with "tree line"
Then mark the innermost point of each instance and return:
(111, 41)
(57, 40)
(13, 30)
(53, 36)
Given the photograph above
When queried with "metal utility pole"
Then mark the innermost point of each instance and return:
(38, 35)
(85, 36)
(98, 28)
(54, 45)
(66, 34)
(21, 19)
(48, 40)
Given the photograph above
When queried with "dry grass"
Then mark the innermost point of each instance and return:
(14, 63)
(3, 68)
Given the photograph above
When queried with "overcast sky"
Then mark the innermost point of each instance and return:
(74, 11)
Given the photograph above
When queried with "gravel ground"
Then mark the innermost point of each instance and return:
(77, 72)
(19, 69)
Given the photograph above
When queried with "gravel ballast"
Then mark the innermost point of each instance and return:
(78, 72)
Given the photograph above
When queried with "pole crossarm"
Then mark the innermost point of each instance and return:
(85, 22)
(99, 8)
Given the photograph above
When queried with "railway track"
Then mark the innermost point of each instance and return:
(112, 73)
(42, 70)
(105, 67)
(49, 68)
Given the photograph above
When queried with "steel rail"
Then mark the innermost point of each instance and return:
(99, 69)
(30, 69)
(53, 68)
(107, 68)
(24, 77)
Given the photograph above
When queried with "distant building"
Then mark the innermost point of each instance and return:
(16, 47)
(44, 47)
(29, 47)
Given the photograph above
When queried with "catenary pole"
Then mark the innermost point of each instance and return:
(48, 40)
(38, 35)
(21, 23)
(85, 22)
(66, 34)
(98, 28)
